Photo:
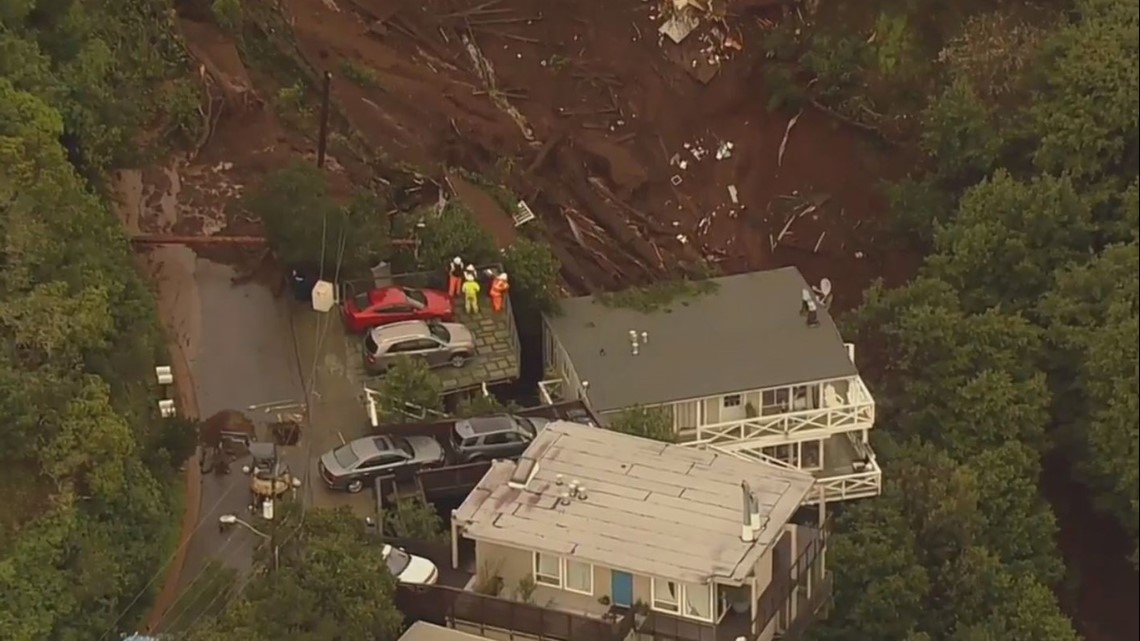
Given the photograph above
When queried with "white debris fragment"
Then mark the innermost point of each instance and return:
(724, 151)
(733, 195)
(684, 164)
(683, 239)
(858, 254)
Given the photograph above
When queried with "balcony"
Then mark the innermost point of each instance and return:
(850, 469)
(855, 413)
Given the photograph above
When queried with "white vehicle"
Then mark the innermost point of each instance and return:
(409, 568)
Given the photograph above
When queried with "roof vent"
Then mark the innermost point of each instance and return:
(565, 499)
(582, 493)
(525, 470)
(812, 314)
(644, 338)
(634, 346)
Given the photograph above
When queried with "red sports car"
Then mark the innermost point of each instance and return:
(393, 305)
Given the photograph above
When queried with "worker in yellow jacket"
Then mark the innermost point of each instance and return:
(471, 294)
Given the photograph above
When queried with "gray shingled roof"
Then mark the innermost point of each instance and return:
(651, 508)
(748, 334)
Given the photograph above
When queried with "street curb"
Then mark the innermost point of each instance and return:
(188, 404)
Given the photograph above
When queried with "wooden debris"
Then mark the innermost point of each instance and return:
(787, 132)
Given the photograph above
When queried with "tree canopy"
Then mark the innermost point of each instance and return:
(332, 584)
(87, 466)
(1019, 336)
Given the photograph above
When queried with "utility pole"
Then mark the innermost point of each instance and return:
(323, 140)
(273, 521)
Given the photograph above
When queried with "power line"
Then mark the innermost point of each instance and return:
(162, 570)
(188, 588)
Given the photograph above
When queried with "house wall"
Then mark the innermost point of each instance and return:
(515, 565)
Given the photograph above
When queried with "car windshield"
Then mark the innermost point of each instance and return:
(362, 301)
(403, 444)
(370, 343)
(416, 297)
(525, 425)
(345, 456)
(398, 561)
(440, 332)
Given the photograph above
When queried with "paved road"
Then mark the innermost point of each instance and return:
(239, 344)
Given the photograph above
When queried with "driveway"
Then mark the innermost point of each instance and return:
(333, 372)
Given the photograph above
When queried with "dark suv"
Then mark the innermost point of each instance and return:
(491, 437)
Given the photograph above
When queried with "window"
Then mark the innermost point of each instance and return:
(547, 570)
(810, 455)
(732, 400)
(396, 309)
(666, 596)
(495, 439)
(579, 577)
(775, 401)
(690, 600)
(416, 297)
(566, 574)
(698, 601)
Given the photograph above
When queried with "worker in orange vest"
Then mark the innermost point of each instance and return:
(499, 288)
(454, 277)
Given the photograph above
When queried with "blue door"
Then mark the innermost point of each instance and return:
(621, 585)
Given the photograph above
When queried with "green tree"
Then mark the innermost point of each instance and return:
(409, 389)
(960, 133)
(533, 271)
(411, 518)
(449, 233)
(332, 584)
(307, 228)
(1008, 238)
(647, 422)
(479, 405)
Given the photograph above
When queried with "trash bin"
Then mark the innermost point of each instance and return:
(302, 284)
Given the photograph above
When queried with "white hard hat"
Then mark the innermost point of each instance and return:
(470, 268)
(503, 275)
(457, 260)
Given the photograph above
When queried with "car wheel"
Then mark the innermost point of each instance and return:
(354, 486)
(459, 360)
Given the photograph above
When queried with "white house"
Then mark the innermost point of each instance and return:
(745, 368)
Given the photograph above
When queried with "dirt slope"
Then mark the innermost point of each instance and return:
(585, 111)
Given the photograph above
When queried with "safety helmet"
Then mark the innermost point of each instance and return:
(470, 268)
(457, 261)
(503, 275)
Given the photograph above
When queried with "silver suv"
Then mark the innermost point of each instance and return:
(437, 343)
(491, 437)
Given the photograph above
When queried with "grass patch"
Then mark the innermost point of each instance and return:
(503, 196)
(363, 76)
(658, 296)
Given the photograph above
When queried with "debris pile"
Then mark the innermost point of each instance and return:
(679, 20)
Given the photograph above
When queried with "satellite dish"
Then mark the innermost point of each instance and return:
(824, 287)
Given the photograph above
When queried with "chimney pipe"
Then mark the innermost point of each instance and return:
(574, 488)
(805, 301)
(565, 500)
(754, 513)
(747, 534)
(812, 315)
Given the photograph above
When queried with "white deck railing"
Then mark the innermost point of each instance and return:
(858, 413)
(831, 485)
(550, 391)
